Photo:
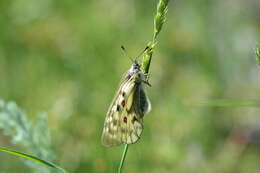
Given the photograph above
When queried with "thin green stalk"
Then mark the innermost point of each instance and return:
(123, 158)
(159, 19)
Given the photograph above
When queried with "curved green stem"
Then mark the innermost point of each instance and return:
(32, 158)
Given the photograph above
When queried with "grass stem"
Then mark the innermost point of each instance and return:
(159, 19)
(123, 159)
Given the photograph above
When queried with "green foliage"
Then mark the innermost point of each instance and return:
(160, 17)
(34, 137)
(147, 57)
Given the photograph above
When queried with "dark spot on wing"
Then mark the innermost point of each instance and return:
(123, 103)
(125, 120)
(123, 94)
(134, 119)
(117, 107)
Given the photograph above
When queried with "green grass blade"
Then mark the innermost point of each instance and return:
(123, 159)
(32, 158)
(227, 103)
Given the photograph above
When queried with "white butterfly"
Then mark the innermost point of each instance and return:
(124, 119)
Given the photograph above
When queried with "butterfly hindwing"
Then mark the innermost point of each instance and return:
(142, 102)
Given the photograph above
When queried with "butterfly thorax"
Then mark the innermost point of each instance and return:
(135, 73)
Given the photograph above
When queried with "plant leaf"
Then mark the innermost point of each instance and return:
(32, 158)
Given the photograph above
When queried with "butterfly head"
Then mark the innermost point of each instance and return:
(135, 73)
(135, 68)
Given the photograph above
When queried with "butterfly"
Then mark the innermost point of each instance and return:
(124, 119)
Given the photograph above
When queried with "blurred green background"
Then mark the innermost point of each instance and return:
(64, 58)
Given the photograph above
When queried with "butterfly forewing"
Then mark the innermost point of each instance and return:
(124, 119)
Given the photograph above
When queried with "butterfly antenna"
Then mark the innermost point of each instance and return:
(147, 47)
(124, 50)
